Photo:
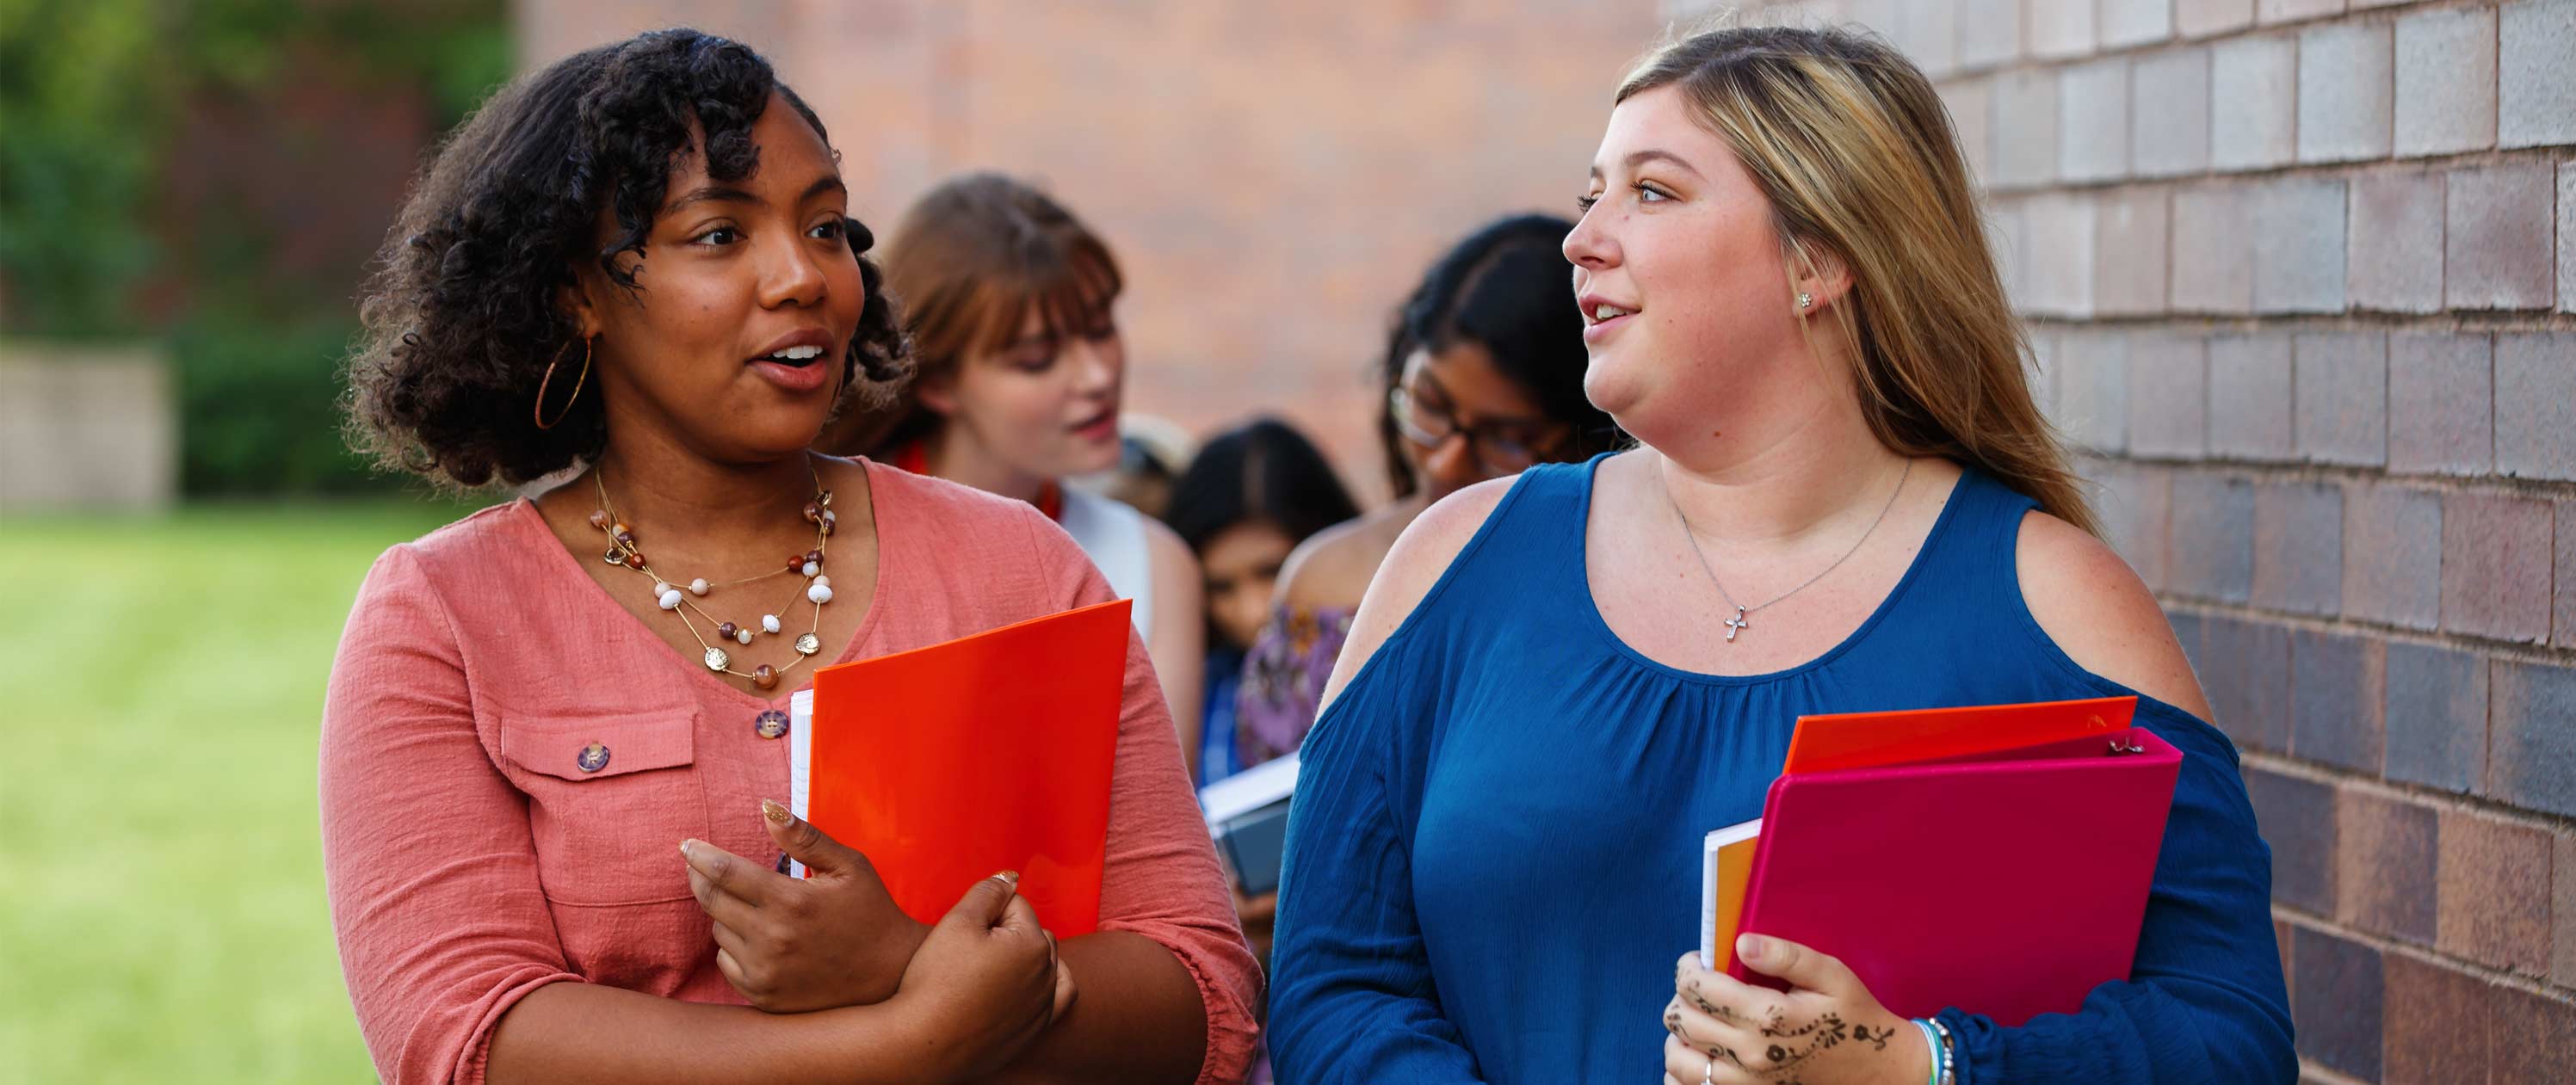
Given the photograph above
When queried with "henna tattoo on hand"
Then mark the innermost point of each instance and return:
(1774, 1031)
(1712, 1009)
(1822, 1034)
(1797, 1046)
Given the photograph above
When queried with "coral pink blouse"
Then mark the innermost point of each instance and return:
(471, 860)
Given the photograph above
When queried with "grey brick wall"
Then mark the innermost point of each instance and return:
(2299, 277)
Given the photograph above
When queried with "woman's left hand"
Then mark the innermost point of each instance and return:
(791, 945)
(1826, 1029)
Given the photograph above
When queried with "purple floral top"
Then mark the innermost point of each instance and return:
(1283, 680)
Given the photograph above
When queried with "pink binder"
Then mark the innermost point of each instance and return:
(2008, 884)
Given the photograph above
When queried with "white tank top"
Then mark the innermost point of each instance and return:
(1114, 536)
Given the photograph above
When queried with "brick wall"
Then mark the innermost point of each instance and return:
(2300, 277)
(1274, 177)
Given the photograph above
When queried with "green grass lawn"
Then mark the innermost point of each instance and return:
(161, 908)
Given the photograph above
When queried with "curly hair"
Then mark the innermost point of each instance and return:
(460, 318)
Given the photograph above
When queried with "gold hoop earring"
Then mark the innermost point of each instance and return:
(539, 414)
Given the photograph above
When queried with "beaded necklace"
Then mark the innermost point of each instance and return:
(681, 599)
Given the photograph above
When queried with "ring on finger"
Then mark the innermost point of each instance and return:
(1709, 1076)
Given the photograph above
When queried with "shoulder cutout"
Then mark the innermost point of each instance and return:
(1420, 555)
(2091, 603)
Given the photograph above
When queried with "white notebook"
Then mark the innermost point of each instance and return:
(800, 759)
(1269, 782)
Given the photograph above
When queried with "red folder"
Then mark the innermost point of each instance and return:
(992, 752)
(1855, 740)
(2008, 883)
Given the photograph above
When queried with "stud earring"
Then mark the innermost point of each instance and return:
(1805, 300)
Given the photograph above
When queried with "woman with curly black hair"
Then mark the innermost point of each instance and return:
(634, 270)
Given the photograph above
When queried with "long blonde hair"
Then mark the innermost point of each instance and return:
(1855, 153)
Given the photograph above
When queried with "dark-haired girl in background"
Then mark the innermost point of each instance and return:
(1252, 494)
(546, 757)
(1249, 497)
(1484, 377)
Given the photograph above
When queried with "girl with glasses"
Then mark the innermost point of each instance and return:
(1484, 377)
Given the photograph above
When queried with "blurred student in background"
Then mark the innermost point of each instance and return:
(1245, 503)
(1248, 499)
(1151, 454)
(1007, 298)
(1484, 377)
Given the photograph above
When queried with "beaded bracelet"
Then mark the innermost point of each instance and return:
(1949, 1047)
(1932, 1047)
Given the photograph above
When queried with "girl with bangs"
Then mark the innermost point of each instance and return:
(1007, 298)
(1843, 499)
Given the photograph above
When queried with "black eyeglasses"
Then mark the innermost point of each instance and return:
(1503, 448)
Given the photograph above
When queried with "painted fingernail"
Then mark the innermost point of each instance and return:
(775, 812)
(1010, 879)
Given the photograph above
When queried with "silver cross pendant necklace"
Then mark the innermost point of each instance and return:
(1743, 614)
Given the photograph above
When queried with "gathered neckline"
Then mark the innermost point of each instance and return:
(1600, 624)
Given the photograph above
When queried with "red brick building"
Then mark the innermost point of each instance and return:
(1274, 177)
(2301, 276)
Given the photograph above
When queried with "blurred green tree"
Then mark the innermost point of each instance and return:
(217, 173)
(82, 106)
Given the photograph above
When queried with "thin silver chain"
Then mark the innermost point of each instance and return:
(1738, 623)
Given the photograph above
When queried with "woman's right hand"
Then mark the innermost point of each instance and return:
(985, 983)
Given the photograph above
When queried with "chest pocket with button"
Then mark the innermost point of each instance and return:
(610, 797)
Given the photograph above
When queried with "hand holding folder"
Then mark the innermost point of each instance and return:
(991, 752)
(1996, 859)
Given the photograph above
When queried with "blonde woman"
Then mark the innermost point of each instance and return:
(1845, 499)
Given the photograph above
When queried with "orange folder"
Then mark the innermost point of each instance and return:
(1859, 740)
(992, 752)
